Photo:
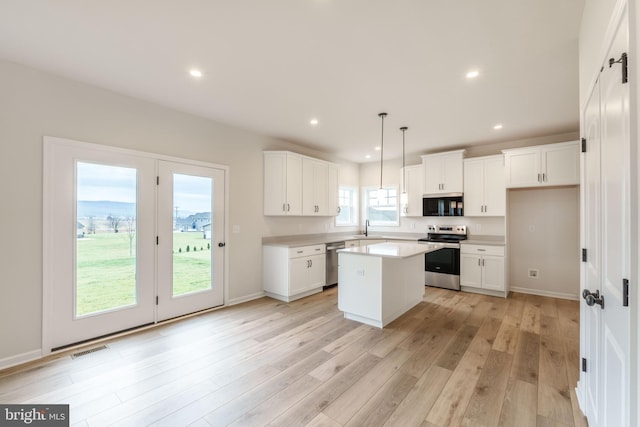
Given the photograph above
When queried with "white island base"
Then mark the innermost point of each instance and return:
(378, 283)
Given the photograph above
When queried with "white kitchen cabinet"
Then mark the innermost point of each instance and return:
(484, 186)
(413, 181)
(315, 187)
(298, 185)
(443, 172)
(352, 243)
(482, 268)
(544, 165)
(292, 273)
(333, 200)
(282, 183)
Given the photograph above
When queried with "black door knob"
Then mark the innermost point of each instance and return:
(221, 244)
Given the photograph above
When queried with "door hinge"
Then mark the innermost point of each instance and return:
(584, 365)
(584, 145)
(157, 240)
(158, 300)
(157, 180)
(625, 292)
(623, 61)
(584, 255)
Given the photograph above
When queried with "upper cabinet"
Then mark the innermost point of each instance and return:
(333, 201)
(443, 172)
(413, 181)
(544, 165)
(282, 183)
(484, 186)
(299, 185)
(315, 187)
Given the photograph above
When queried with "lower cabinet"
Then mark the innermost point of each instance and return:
(292, 273)
(482, 268)
(371, 242)
(352, 243)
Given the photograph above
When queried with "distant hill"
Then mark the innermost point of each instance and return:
(102, 209)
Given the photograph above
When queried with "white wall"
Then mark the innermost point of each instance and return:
(34, 104)
(544, 234)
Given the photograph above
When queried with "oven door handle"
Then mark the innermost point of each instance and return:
(446, 245)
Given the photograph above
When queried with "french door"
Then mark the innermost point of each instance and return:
(190, 262)
(129, 239)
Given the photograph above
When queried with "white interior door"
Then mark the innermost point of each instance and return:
(191, 238)
(590, 317)
(98, 212)
(616, 158)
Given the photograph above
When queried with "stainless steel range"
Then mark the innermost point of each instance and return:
(442, 267)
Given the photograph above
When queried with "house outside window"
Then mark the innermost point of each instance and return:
(382, 210)
(348, 202)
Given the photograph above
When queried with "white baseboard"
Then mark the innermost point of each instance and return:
(542, 293)
(245, 298)
(19, 359)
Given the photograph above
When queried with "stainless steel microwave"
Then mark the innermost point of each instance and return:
(449, 204)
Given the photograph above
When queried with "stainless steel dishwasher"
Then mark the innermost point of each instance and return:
(332, 262)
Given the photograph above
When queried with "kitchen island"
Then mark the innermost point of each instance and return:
(380, 282)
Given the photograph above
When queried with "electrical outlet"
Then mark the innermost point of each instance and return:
(533, 273)
(360, 272)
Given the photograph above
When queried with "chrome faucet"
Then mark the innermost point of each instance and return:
(366, 227)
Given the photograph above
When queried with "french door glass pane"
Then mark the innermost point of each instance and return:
(192, 226)
(105, 238)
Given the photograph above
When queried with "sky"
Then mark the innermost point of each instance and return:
(97, 182)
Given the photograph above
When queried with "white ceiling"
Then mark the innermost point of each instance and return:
(271, 66)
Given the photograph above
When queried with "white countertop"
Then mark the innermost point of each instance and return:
(393, 249)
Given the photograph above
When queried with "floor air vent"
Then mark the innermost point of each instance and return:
(91, 350)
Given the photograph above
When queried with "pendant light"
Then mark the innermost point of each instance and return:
(404, 198)
(381, 192)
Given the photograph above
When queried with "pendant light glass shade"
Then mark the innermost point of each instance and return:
(404, 197)
(381, 192)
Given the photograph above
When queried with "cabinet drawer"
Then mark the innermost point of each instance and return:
(482, 250)
(306, 251)
(352, 243)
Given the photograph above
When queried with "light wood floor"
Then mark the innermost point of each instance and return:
(455, 359)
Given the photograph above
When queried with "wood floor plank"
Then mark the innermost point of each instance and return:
(270, 409)
(549, 326)
(428, 353)
(486, 402)
(234, 409)
(452, 403)
(555, 404)
(348, 403)
(379, 408)
(531, 318)
(308, 408)
(455, 350)
(526, 358)
(553, 368)
(520, 404)
(507, 337)
(415, 407)
(321, 420)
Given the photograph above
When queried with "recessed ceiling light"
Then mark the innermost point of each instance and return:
(368, 156)
(377, 148)
(195, 73)
(473, 74)
(498, 126)
(313, 122)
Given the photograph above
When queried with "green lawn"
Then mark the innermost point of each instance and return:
(106, 273)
